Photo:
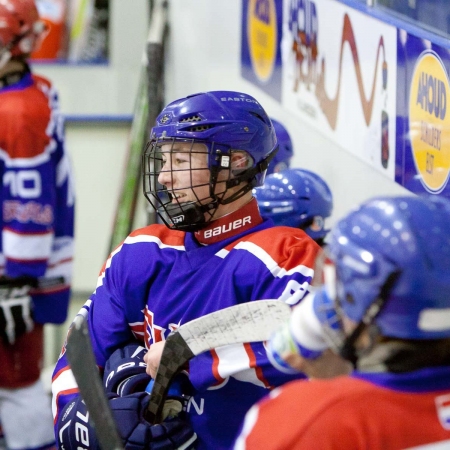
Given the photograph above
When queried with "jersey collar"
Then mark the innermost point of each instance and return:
(232, 224)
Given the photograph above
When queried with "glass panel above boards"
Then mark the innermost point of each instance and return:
(433, 15)
(76, 31)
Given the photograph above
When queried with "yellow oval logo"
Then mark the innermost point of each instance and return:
(262, 37)
(428, 123)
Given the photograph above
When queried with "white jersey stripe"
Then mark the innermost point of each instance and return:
(271, 264)
(234, 361)
(65, 381)
(154, 239)
(26, 247)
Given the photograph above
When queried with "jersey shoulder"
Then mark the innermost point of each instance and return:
(159, 234)
(281, 244)
(25, 114)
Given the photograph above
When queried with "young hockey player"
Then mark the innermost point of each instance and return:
(37, 220)
(387, 282)
(296, 198)
(206, 154)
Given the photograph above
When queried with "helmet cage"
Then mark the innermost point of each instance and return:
(194, 215)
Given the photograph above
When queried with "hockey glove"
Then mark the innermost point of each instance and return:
(137, 433)
(77, 431)
(125, 371)
(15, 307)
(125, 374)
(180, 391)
(312, 328)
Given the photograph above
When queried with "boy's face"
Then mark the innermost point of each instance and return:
(185, 172)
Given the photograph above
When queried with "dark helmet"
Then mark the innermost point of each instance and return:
(224, 122)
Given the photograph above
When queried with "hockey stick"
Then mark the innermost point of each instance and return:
(84, 368)
(147, 106)
(248, 322)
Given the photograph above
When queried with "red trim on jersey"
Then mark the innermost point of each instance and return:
(215, 368)
(172, 238)
(254, 364)
(66, 392)
(26, 261)
(27, 233)
(230, 225)
(62, 261)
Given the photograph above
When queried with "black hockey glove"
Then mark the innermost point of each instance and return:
(16, 316)
(76, 431)
(125, 374)
(125, 371)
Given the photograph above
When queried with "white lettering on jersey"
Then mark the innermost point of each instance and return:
(294, 287)
(23, 183)
(199, 409)
(228, 227)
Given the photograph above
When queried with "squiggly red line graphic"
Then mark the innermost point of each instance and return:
(330, 105)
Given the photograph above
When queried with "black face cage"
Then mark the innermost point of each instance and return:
(174, 211)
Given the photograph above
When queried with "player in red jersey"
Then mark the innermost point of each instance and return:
(36, 239)
(387, 283)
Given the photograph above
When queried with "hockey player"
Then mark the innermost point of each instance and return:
(36, 239)
(206, 154)
(296, 198)
(388, 279)
(283, 157)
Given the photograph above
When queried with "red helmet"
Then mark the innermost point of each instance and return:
(20, 28)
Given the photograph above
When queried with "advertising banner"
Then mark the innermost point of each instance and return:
(375, 90)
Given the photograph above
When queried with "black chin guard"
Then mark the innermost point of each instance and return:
(184, 217)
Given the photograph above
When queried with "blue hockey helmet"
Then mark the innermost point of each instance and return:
(282, 159)
(296, 198)
(408, 237)
(224, 122)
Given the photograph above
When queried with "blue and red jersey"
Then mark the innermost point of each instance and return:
(158, 279)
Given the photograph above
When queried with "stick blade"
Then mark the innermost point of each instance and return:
(248, 322)
(84, 368)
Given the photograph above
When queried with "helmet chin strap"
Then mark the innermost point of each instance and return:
(348, 350)
(188, 216)
(247, 175)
